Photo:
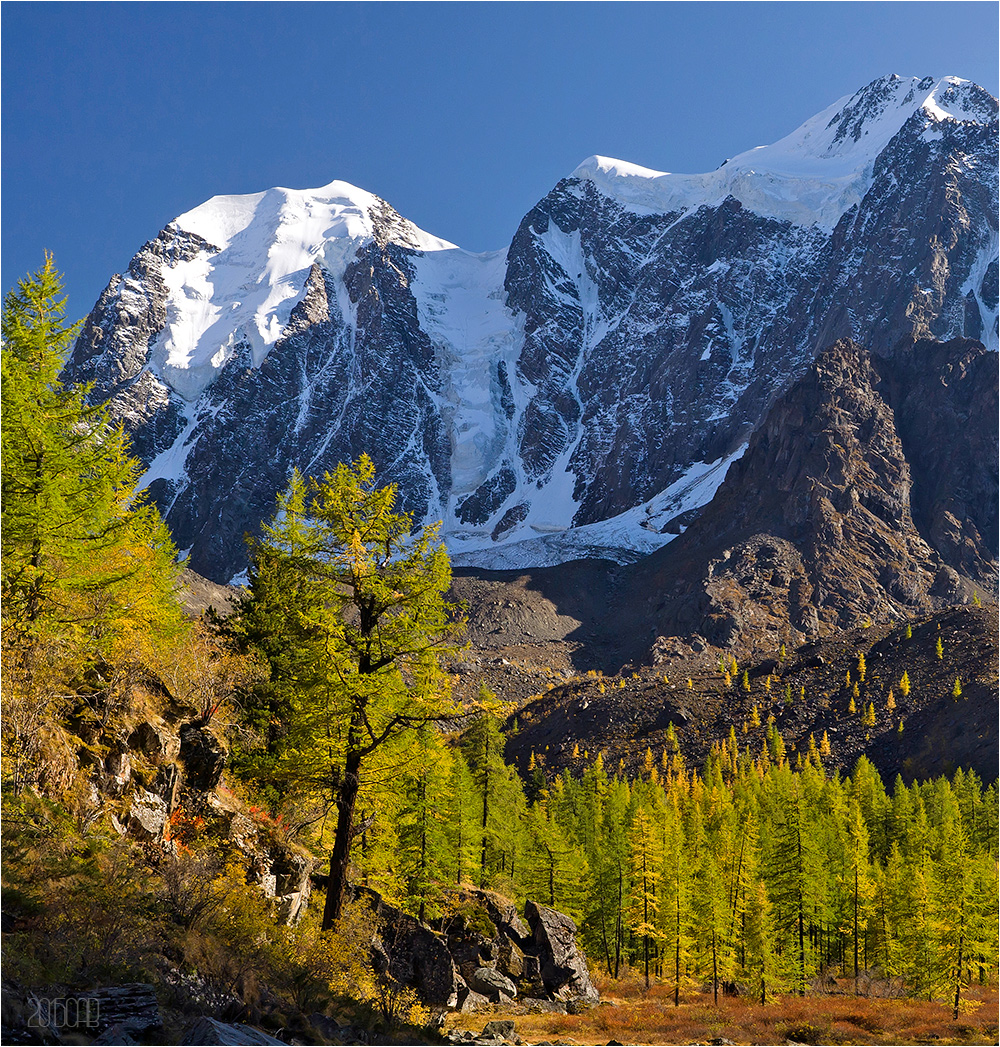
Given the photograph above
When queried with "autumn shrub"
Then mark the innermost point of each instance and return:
(85, 914)
(805, 1032)
(191, 885)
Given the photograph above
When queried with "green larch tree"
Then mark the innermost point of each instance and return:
(370, 596)
(647, 863)
(89, 574)
(424, 854)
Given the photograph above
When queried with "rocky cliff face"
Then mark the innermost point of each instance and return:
(575, 394)
(869, 493)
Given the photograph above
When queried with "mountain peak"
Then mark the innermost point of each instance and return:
(248, 275)
(579, 394)
(813, 175)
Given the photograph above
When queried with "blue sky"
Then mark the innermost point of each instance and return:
(118, 117)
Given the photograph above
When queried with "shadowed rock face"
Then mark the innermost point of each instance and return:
(869, 492)
(563, 967)
(451, 964)
(631, 343)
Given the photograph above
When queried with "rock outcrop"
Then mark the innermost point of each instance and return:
(480, 952)
(869, 493)
(564, 969)
(157, 773)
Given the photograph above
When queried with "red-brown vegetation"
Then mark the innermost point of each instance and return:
(631, 1014)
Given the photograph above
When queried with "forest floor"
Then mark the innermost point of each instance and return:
(631, 1014)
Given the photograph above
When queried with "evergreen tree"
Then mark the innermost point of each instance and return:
(647, 862)
(794, 871)
(556, 869)
(89, 573)
(761, 958)
(610, 861)
(859, 883)
(424, 852)
(368, 596)
(710, 905)
(462, 827)
(85, 556)
(675, 887)
(498, 805)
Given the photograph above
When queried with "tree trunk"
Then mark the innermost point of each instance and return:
(715, 971)
(958, 972)
(802, 938)
(855, 930)
(423, 845)
(645, 918)
(346, 799)
(486, 818)
(604, 939)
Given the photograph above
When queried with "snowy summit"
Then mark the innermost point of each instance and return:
(581, 393)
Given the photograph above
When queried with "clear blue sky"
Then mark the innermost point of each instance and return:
(118, 117)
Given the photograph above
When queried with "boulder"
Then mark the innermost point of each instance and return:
(502, 1029)
(203, 757)
(470, 1002)
(207, 1031)
(414, 955)
(469, 950)
(536, 1005)
(147, 815)
(564, 970)
(510, 959)
(492, 984)
(503, 912)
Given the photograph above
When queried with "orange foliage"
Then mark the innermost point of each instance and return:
(631, 1014)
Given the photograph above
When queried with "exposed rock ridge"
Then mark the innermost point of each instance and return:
(868, 493)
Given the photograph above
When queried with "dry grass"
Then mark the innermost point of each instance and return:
(632, 1015)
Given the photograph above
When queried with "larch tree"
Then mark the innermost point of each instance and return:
(362, 621)
(462, 824)
(860, 886)
(607, 897)
(424, 854)
(500, 796)
(647, 864)
(89, 573)
(81, 547)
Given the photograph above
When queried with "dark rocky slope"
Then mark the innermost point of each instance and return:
(869, 493)
(623, 715)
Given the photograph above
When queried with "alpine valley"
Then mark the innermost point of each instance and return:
(679, 415)
(716, 463)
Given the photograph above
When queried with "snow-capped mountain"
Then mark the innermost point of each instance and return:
(580, 393)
